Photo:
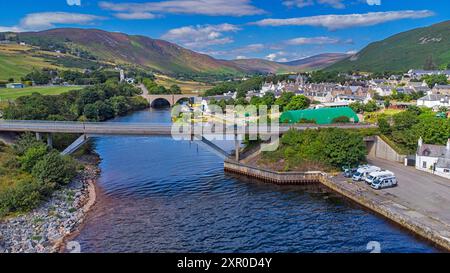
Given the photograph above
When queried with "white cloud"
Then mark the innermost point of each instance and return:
(334, 22)
(374, 2)
(202, 7)
(279, 56)
(240, 57)
(45, 20)
(271, 56)
(74, 2)
(337, 4)
(201, 36)
(313, 41)
(136, 16)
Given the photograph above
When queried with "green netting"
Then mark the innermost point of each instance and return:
(320, 116)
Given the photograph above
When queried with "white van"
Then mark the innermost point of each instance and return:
(362, 173)
(384, 182)
(372, 176)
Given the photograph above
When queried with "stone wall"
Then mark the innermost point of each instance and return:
(380, 149)
(272, 176)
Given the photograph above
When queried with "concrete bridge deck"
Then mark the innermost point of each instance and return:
(118, 128)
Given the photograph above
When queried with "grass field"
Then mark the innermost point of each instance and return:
(16, 61)
(373, 117)
(187, 87)
(9, 93)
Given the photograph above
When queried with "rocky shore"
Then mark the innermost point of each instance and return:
(44, 229)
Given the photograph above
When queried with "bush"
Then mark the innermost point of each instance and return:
(332, 147)
(25, 142)
(55, 169)
(342, 119)
(24, 196)
(32, 156)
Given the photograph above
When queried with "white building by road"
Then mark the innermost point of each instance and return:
(433, 158)
(434, 101)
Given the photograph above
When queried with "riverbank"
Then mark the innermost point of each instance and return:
(412, 215)
(45, 229)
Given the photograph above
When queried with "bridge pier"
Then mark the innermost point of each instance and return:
(237, 147)
(38, 136)
(50, 140)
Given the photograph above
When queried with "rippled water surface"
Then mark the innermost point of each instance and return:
(161, 195)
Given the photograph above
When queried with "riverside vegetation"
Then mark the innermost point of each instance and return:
(30, 173)
(324, 149)
(405, 128)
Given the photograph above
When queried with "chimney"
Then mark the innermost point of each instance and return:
(420, 143)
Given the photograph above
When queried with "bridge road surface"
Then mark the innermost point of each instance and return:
(421, 191)
(117, 128)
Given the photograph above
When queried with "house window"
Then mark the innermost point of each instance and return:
(424, 165)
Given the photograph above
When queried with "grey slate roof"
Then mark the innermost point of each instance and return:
(433, 151)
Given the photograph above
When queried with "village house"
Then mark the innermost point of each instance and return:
(441, 89)
(383, 90)
(434, 101)
(433, 158)
(418, 73)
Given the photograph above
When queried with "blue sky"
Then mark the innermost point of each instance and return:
(279, 30)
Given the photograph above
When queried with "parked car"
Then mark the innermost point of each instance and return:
(349, 172)
(374, 175)
(363, 172)
(384, 182)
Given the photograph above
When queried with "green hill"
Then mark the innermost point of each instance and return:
(74, 48)
(417, 48)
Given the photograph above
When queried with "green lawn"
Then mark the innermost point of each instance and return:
(10, 93)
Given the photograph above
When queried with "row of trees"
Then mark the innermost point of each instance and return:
(93, 103)
(287, 101)
(156, 89)
(40, 171)
(47, 75)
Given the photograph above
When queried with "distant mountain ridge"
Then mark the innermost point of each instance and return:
(306, 64)
(417, 48)
(162, 56)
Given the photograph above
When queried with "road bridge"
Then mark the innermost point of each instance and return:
(194, 132)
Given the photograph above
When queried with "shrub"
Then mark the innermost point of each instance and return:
(25, 142)
(54, 168)
(32, 156)
(342, 119)
(24, 196)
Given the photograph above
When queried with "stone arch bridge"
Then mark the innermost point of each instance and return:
(171, 99)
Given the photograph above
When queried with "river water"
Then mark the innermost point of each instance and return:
(161, 195)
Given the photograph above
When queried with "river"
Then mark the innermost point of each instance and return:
(156, 194)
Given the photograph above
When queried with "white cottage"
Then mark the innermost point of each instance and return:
(433, 158)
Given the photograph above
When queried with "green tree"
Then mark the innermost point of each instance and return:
(342, 148)
(32, 156)
(175, 89)
(384, 126)
(298, 103)
(284, 99)
(432, 80)
(55, 169)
